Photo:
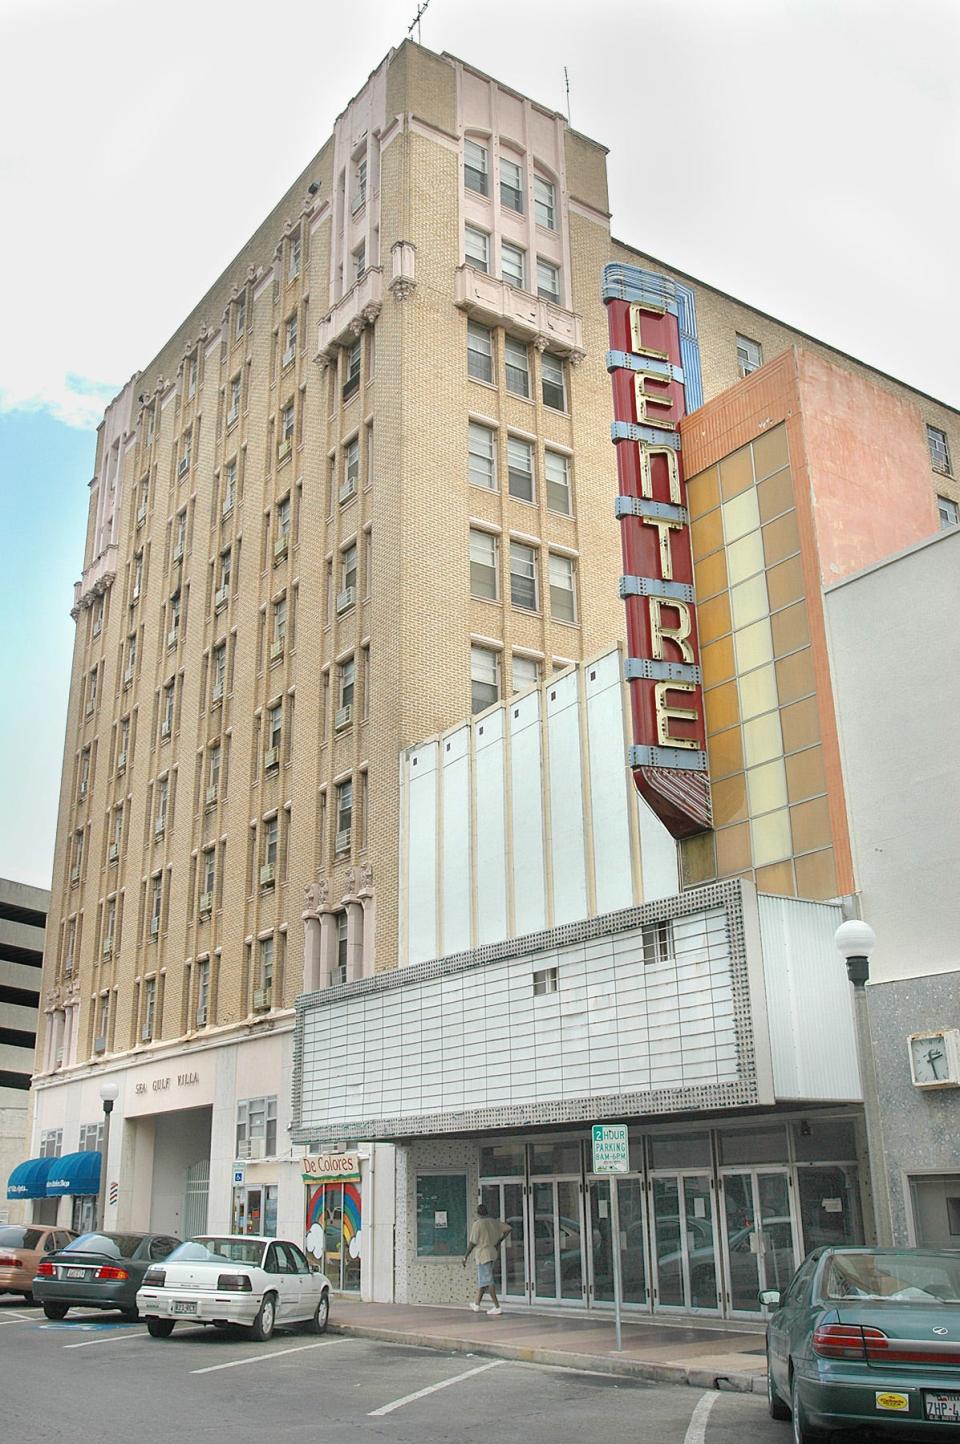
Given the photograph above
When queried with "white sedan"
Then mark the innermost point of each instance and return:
(255, 1282)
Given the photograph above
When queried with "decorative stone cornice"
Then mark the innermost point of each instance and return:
(100, 575)
(548, 326)
(345, 321)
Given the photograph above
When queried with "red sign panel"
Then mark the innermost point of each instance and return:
(669, 756)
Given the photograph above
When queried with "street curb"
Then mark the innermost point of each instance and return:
(738, 1383)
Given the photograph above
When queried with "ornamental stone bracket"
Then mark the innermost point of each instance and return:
(96, 579)
(403, 283)
(360, 307)
(550, 327)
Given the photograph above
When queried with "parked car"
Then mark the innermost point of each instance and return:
(867, 1338)
(99, 1271)
(22, 1246)
(255, 1282)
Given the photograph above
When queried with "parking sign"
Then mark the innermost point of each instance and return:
(611, 1149)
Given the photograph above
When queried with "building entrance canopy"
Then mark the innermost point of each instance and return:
(75, 1174)
(29, 1179)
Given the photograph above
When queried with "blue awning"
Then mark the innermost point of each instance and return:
(29, 1180)
(75, 1173)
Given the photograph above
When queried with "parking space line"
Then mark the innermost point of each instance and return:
(697, 1428)
(16, 1320)
(432, 1389)
(116, 1338)
(277, 1354)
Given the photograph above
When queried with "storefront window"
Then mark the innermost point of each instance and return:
(753, 1145)
(829, 1206)
(821, 1140)
(555, 1158)
(255, 1210)
(502, 1160)
(332, 1235)
(441, 1215)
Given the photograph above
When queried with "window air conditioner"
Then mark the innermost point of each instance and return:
(100, 1043)
(283, 450)
(346, 599)
(271, 758)
(211, 793)
(267, 874)
(262, 1003)
(113, 852)
(348, 489)
(206, 903)
(165, 727)
(108, 947)
(343, 718)
(154, 927)
(159, 826)
(128, 677)
(280, 547)
(141, 513)
(172, 636)
(276, 649)
(83, 789)
(289, 354)
(202, 1016)
(121, 760)
(216, 694)
(343, 841)
(183, 466)
(146, 1033)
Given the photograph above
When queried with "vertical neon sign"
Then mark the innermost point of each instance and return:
(647, 360)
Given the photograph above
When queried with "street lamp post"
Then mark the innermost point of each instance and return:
(109, 1093)
(855, 941)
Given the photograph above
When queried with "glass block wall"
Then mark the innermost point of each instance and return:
(763, 736)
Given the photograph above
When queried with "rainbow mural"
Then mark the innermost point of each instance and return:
(323, 1202)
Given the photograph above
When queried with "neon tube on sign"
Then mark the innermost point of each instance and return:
(668, 756)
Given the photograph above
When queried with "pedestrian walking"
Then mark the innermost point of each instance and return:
(486, 1236)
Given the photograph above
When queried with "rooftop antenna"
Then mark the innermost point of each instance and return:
(566, 81)
(421, 10)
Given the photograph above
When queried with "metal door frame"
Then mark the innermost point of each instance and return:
(634, 1176)
(557, 1299)
(754, 1170)
(518, 1181)
(680, 1174)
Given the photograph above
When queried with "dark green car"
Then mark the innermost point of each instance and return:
(869, 1339)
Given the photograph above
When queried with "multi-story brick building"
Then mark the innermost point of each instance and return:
(23, 916)
(365, 488)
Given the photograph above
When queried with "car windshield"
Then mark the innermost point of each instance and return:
(13, 1237)
(903, 1278)
(218, 1251)
(114, 1245)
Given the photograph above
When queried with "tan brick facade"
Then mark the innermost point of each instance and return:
(409, 625)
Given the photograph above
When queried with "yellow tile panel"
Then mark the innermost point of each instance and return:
(775, 495)
(785, 584)
(762, 739)
(717, 662)
(711, 576)
(805, 774)
(722, 707)
(801, 724)
(703, 492)
(740, 515)
(729, 800)
(778, 879)
(758, 692)
(733, 849)
(770, 451)
(725, 753)
(781, 538)
(745, 557)
(791, 629)
(713, 619)
(811, 825)
(795, 675)
(706, 534)
(697, 859)
(816, 875)
(736, 473)
(770, 835)
(748, 601)
(767, 786)
(753, 645)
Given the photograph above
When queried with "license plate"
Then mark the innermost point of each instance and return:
(944, 1407)
(180, 1306)
(76, 1273)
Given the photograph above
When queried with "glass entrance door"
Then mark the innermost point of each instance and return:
(601, 1241)
(505, 1201)
(759, 1235)
(555, 1242)
(684, 1243)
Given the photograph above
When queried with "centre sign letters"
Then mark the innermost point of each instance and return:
(668, 755)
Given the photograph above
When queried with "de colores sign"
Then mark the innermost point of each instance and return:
(654, 366)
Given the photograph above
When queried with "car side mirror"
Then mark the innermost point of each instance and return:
(771, 1298)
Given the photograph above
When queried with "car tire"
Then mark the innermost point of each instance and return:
(321, 1314)
(56, 1311)
(130, 1316)
(29, 1299)
(160, 1328)
(802, 1433)
(775, 1405)
(263, 1325)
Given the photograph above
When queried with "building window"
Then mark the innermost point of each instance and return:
(476, 168)
(279, 622)
(949, 512)
(137, 587)
(156, 902)
(556, 473)
(51, 1142)
(218, 672)
(511, 185)
(240, 316)
(939, 450)
(479, 352)
(658, 941)
(257, 1121)
(548, 280)
(523, 576)
(351, 469)
(208, 876)
(352, 382)
(233, 411)
(340, 975)
(118, 827)
(274, 726)
(749, 355)
(544, 981)
(484, 678)
(266, 959)
(344, 816)
(296, 256)
(173, 634)
(149, 1009)
(283, 518)
(517, 361)
(163, 799)
(289, 340)
(348, 567)
(166, 715)
(230, 487)
(109, 927)
(103, 1023)
(525, 672)
(77, 855)
(476, 249)
(360, 261)
(271, 835)
(360, 184)
(203, 992)
(483, 564)
(213, 771)
(520, 468)
(180, 541)
(563, 605)
(191, 378)
(512, 267)
(545, 203)
(552, 382)
(482, 457)
(186, 451)
(91, 1137)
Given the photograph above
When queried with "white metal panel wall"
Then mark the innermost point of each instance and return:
(566, 800)
(483, 1037)
(526, 774)
(422, 854)
(455, 855)
(491, 835)
(809, 1001)
(613, 871)
(659, 854)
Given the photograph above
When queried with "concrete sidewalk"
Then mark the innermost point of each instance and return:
(717, 1356)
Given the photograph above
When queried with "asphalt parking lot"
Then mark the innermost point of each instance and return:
(93, 1376)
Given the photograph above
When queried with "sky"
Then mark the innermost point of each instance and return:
(799, 154)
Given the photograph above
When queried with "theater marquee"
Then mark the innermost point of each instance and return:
(653, 361)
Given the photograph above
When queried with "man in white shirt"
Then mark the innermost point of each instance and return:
(486, 1236)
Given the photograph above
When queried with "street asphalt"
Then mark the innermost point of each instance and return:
(94, 1377)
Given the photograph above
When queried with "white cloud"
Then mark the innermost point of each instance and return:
(73, 400)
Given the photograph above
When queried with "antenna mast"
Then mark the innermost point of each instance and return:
(421, 10)
(566, 81)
